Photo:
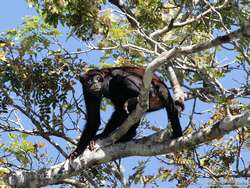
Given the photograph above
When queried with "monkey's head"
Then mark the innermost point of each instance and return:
(92, 82)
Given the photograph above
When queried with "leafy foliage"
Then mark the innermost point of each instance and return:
(40, 95)
(36, 79)
(83, 17)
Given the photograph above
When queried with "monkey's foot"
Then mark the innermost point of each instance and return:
(92, 144)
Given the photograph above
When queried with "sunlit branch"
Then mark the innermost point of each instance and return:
(156, 144)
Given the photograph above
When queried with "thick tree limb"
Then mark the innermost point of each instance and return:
(153, 145)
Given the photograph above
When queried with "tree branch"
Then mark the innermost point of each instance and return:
(120, 4)
(155, 144)
(145, 146)
(173, 25)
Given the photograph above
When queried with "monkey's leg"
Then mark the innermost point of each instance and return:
(173, 117)
(117, 118)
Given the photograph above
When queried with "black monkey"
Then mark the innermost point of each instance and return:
(122, 86)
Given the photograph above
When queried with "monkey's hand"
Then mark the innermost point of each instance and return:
(92, 144)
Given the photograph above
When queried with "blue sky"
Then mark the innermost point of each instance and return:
(11, 13)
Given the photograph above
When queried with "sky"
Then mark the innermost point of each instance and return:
(11, 13)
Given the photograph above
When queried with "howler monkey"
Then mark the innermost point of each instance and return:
(122, 86)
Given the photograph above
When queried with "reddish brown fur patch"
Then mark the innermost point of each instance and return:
(155, 103)
(139, 71)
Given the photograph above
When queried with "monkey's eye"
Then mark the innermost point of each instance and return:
(90, 81)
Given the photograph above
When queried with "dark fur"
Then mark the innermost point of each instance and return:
(122, 86)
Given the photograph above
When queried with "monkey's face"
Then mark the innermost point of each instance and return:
(93, 83)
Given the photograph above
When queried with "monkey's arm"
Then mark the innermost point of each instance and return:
(91, 126)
